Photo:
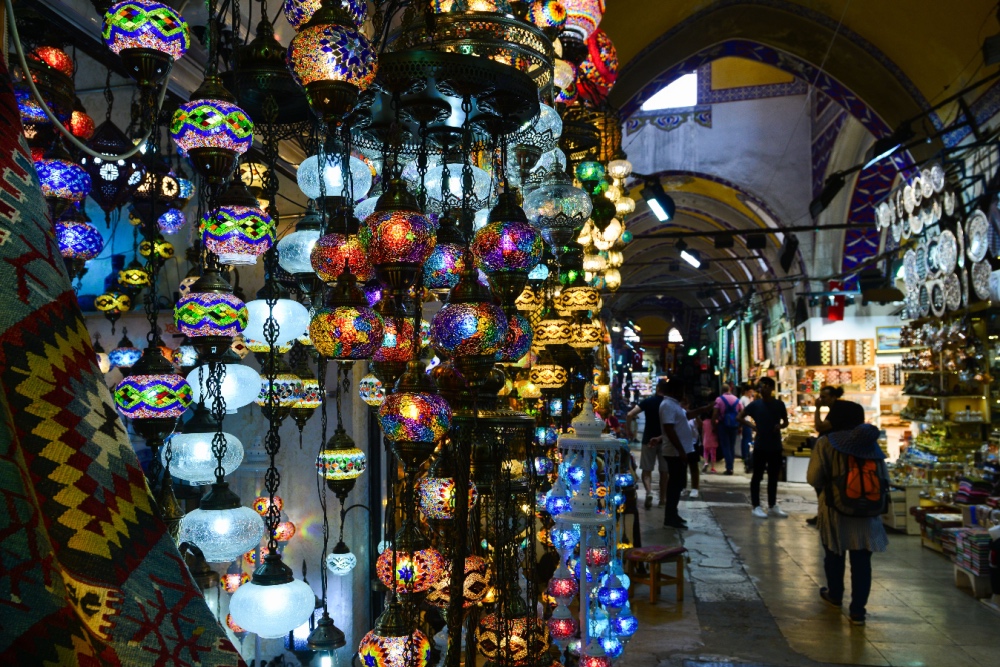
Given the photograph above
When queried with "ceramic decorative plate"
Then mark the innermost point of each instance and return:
(937, 178)
(949, 203)
(952, 292)
(916, 224)
(908, 202)
(900, 209)
(882, 216)
(936, 289)
(936, 211)
(964, 277)
(913, 303)
(921, 262)
(899, 231)
(910, 267)
(981, 280)
(977, 230)
(918, 191)
(925, 301)
(926, 187)
(926, 216)
(960, 235)
(947, 252)
(933, 262)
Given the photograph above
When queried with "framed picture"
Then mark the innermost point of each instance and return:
(887, 340)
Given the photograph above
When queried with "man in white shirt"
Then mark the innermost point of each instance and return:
(676, 442)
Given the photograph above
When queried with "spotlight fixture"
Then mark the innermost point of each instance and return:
(693, 351)
(724, 241)
(692, 257)
(886, 146)
(730, 325)
(756, 242)
(834, 184)
(659, 202)
(789, 247)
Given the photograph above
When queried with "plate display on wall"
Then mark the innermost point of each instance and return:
(910, 267)
(916, 223)
(947, 251)
(981, 280)
(960, 235)
(926, 187)
(913, 302)
(937, 178)
(924, 301)
(952, 292)
(964, 277)
(933, 262)
(882, 216)
(921, 261)
(977, 233)
(949, 203)
(918, 192)
(908, 201)
(936, 289)
(900, 209)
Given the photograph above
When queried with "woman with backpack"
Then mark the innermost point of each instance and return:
(848, 471)
(726, 419)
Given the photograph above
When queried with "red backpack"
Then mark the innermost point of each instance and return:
(856, 488)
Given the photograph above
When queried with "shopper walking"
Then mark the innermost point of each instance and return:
(726, 420)
(711, 444)
(848, 471)
(769, 417)
(650, 409)
(676, 443)
(843, 415)
(746, 433)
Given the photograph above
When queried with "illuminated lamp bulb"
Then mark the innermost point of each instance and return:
(557, 501)
(619, 169)
(624, 624)
(273, 602)
(81, 125)
(148, 36)
(411, 565)
(237, 230)
(346, 328)
(612, 646)
(563, 586)
(624, 207)
(332, 184)
(295, 249)
(171, 221)
(552, 331)
(530, 300)
(291, 317)
(284, 532)
(586, 336)
(152, 390)
(212, 130)
(565, 74)
(615, 258)
(562, 624)
(192, 459)
(436, 497)
(298, 12)
(392, 643)
(240, 383)
(340, 561)
(594, 262)
(333, 61)
(233, 580)
(612, 279)
(371, 391)
(262, 504)
(612, 594)
(598, 556)
(332, 252)
(548, 376)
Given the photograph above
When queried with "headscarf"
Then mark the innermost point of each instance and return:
(861, 442)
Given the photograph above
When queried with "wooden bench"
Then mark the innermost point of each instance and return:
(655, 557)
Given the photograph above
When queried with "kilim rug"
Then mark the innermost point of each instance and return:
(88, 574)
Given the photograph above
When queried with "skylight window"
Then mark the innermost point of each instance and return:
(680, 94)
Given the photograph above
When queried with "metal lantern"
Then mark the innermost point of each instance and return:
(148, 36)
(212, 130)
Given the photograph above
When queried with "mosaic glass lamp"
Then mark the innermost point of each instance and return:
(411, 565)
(340, 561)
(562, 624)
(548, 376)
(340, 462)
(583, 16)
(549, 15)
(332, 60)
(392, 644)
(436, 497)
(285, 390)
(397, 341)
(371, 391)
(346, 328)
(125, 353)
(298, 12)
(53, 57)
(148, 36)
(332, 252)
(78, 240)
(192, 458)
(81, 124)
(552, 330)
(171, 221)
(518, 340)
(624, 624)
(557, 208)
(308, 177)
(513, 641)
(475, 589)
(152, 390)
(212, 130)
(414, 417)
(63, 182)
(211, 315)
(612, 594)
(471, 325)
(237, 231)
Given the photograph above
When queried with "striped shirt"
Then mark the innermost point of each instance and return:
(839, 532)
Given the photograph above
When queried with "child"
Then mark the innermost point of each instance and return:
(711, 442)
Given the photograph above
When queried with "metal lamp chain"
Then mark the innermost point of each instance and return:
(272, 441)
(214, 390)
(321, 485)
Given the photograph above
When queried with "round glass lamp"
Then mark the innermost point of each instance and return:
(160, 395)
(148, 36)
(291, 316)
(397, 237)
(392, 644)
(557, 207)
(562, 624)
(192, 458)
(286, 387)
(308, 177)
(295, 249)
(612, 594)
(298, 12)
(435, 184)
(238, 231)
(223, 535)
(469, 329)
(585, 336)
(346, 328)
(547, 14)
(548, 376)
(624, 624)
(78, 240)
(553, 331)
(397, 341)
(339, 464)
(475, 589)
(371, 391)
(334, 251)
(340, 561)
(171, 221)
(211, 123)
(273, 602)
(125, 353)
(436, 497)
(442, 269)
(512, 642)
(62, 179)
(240, 383)
(414, 572)
(262, 504)
(210, 314)
(518, 340)
(507, 245)
(583, 16)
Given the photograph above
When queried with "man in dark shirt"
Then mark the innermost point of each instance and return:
(650, 408)
(769, 417)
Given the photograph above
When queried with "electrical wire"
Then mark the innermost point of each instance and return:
(16, 38)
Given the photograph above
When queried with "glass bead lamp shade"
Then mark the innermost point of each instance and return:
(556, 504)
(414, 572)
(435, 184)
(291, 317)
(81, 125)
(475, 589)
(62, 179)
(436, 497)
(443, 267)
(272, 610)
(340, 561)
(308, 177)
(547, 14)
(507, 245)
(78, 240)
(211, 123)
(53, 57)
(171, 221)
(583, 16)
(238, 235)
(612, 594)
(240, 384)
(160, 395)
(298, 12)
(397, 237)
(562, 625)
(469, 329)
(143, 24)
(286, 388)
(624, 624)
(233, 580)
(341, 464)
(210, 314)
(223, 535)
(192, 458)
(346, 332)
(371, 391)
(512, 642)
(548, 376)
(518, 340)
(332, 252)
(378, 650)
(397, 341)
(295, 250)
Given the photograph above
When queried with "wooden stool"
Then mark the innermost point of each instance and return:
(655, 557)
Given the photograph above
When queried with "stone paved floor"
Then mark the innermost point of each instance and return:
(752, 596)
